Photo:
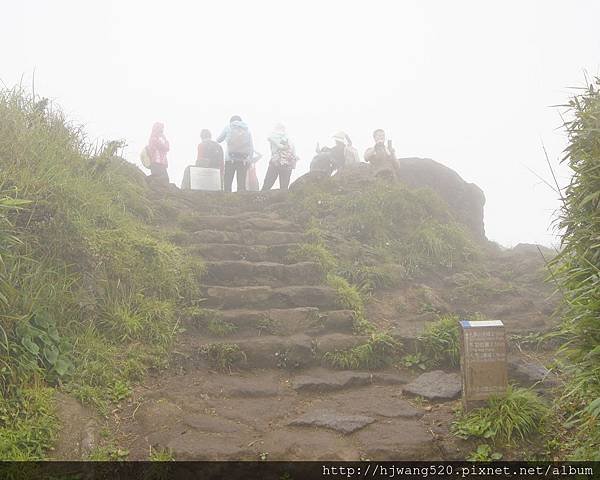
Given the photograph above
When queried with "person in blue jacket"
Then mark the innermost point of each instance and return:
(240, 151)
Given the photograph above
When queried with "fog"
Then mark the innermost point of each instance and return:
(469, 84)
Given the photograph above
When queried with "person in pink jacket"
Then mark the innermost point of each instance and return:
(158, 146)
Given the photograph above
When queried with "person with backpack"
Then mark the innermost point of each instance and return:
(157, 149)
(283, 159)
(382, 157)
(210, 153)
(240, 149)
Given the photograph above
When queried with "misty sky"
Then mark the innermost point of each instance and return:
(467, 83)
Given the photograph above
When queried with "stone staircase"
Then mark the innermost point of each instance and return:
(282, 311)
(278, 400)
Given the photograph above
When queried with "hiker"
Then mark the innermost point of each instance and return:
(283, 159)
(210, 153)
(240, 149)
(351, 155)
(330, 159)
(382, 157)
(157, 149)
(251, 177)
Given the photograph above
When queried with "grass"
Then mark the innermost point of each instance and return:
(318, 253)
(413, 228)
(164, 455)
(28, 424)
(220, 328)
(380, 351)
(577, 270)
(224, 356)
(519, 413)
(439, 344)
(90, 285)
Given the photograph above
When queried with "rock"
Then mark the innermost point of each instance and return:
(339, 422)
(528, 373)
(327, 381)
(244, 273)
(396, 409)
(466, 200)
(390, 378)
(533, 249)
(436, 385)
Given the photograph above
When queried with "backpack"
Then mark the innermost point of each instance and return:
(285, 156)
(145, 157)
(239, 141)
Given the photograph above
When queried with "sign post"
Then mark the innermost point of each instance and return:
(483, 361)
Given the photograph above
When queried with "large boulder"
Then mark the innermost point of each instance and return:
(466, 200)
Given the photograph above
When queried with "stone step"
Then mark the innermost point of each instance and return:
(210, 203)
(291, 352)
(244, 273)
(322, 380)
(264, 297)
(251, 253)
(308, 320)
(247, 237)
(240, 222)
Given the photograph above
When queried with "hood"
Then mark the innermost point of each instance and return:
(239, 123)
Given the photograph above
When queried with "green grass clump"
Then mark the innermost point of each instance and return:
(379, 352)
(439, 344)
(220, 328)
(518, 413)
(224, 356)
(318, 253)
(164, 455)
(348, 295)
(28, 424)
(413, 228)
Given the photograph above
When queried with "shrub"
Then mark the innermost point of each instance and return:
(519, 412)
(379, 352)
(223, 356)
(577, 269)
(439, 344)
(90, 286)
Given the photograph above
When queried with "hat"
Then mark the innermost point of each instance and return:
(341, 137)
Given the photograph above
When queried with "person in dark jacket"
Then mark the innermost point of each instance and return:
(210, 153)
(382, 157)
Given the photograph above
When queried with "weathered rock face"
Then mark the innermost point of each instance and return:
(466, 200)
